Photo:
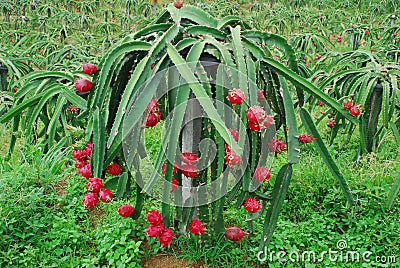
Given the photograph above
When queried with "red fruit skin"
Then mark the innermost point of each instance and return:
(89, 68)
(321, 103)
(155, 230)
(268, 120)
(234, 233)
(90, 200)
(254, 126)
(114, 169)
(190, 171)
(236, 96)
(77, 155)
(153, 119)
(251, 205)
(85, 171)
(154, 217)
(164, 166)
(79, 163)
(255, 114)
(166, 237)
(126, 210)
(235, 134)
(105, 195)
(355, 110)
(189, 158)
(261, 174)
(276, 145)
(175, 185)
(304, 139)
(196, 227)
(347, 105)
(232, 159)
(153, 106)
(178, 4)
(331, 123)
(94, 185)
(83, 85)
(260, 95)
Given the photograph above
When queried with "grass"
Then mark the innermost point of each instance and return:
(43, 222)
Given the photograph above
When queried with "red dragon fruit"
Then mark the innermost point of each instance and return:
(94, 185)
(155, 230)
(276, 145)
(114, 169)
(105, 195)
(153, 119)
(83, 85)
(196, 227)
(235, 134)
(347, 104)
(89, 68)
(90, 200)
(236, 96)
(85, 171)
(261, 174)
(190, 171)
(251, 205)
(126, 210)
(189, 158)
(234, 233)
(304, 139)
(178, 4)
(331, 123)
(355, 110)
(154, 217)
(166, 237)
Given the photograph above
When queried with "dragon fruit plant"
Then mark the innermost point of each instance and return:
(132, 74)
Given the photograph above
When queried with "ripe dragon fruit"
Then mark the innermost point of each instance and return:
(304, 139)
(155, 230)
(277, 145)
(89, 68)
(251, 205)
(355, 110)
(236, 96)
(154, 217)
(190, 171)
(196, 227)
(261, 174)
(94, 185)
(83, 85)
(234, 233)
(90, 200)
(189, 158)
(105, 195)
(126, 210)
(166, 237)
(114, 169)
